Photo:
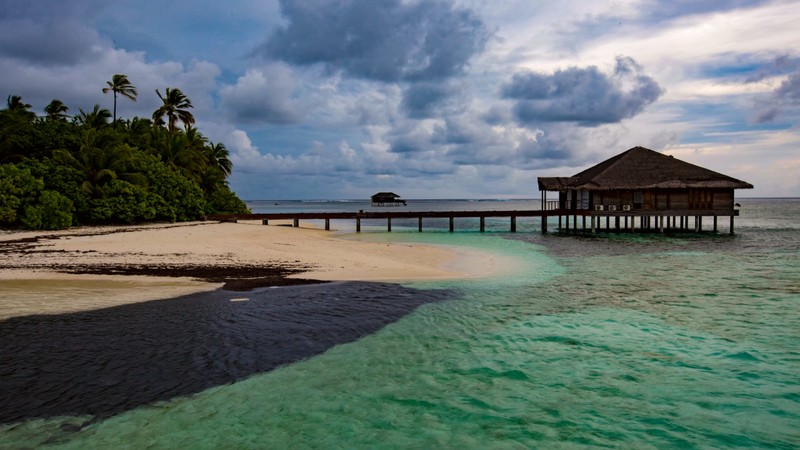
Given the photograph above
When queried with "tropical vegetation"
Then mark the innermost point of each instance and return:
(58, 170)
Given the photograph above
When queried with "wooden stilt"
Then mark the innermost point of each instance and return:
(296, 223)
(358, 224)
(389, 224)
(419, 224)
(452, 224)
(483, 224)
(513, 224)
(327, 224)
(715, 224)
(265, 222)
(731, 224)
(594, 229)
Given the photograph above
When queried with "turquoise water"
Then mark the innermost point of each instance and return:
(624, 341)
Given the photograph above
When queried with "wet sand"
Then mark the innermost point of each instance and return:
(97, 267)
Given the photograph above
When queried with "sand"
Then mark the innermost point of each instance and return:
(39, 270)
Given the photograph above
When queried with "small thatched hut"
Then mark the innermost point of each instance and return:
(387, 199)
(645, 183)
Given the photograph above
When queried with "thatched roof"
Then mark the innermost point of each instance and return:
(641, 168)
(385, 195)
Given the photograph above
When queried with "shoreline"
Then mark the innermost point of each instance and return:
(51, 272)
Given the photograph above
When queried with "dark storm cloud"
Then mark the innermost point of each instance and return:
(420, 99)
(383, 40)
(584, 96)
(46, 32)
(789, 90)
(783, 102)
(428, 99)
(46, 43)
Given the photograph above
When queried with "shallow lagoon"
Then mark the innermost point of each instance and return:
(630, 341)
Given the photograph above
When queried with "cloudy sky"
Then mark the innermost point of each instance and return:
(329, 99)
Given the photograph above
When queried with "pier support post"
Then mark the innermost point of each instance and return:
(327, 224)
(544, 223)
(389, 224)
(265, 222)
(295, 223)
(358, 224)
(452, 224)
(483, 224)
(715, 224)
(513, 224)
(731, 224)
(559, 222)
(594, 229)
(419, 224)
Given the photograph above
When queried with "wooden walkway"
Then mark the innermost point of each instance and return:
(388, 216)
(615, 221)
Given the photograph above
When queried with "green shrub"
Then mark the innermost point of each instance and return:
(223, 201)
(123, 203)
(52, 211)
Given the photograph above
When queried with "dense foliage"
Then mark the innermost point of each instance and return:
(58, 171)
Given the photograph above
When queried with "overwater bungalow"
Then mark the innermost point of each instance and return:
(387, 199)
(662, 191)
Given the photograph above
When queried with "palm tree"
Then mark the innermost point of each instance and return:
(101, 159)
(120, 84)
(56, 110)
(97, 118)
(178, 153)
(17, 107)
(218, 156)
(175, 105)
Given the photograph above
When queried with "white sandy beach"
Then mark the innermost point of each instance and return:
(30, 282)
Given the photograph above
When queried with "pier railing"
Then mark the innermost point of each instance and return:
(617, 221)
(388, 216)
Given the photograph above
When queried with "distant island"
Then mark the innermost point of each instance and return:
(60, 170)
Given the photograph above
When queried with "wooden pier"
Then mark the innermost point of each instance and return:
(568, 220)
(388, 216)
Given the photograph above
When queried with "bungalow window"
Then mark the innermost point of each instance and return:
(701, 199)
(583, 199)
(637, 199)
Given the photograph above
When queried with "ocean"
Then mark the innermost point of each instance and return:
(610, 340)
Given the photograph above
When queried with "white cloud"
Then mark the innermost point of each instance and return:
(262, 96)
